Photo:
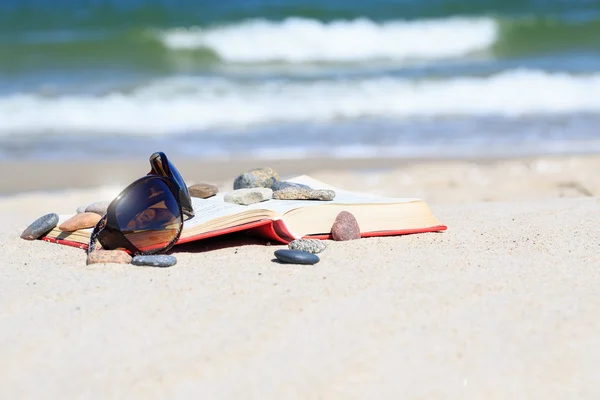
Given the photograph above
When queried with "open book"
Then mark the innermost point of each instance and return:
(286, 220)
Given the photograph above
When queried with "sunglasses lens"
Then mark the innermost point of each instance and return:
(149, 216)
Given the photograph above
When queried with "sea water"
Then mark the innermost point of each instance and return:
(298, 78)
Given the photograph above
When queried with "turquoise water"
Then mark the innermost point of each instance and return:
(297, 78)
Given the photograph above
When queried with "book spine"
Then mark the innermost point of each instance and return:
(243, 227)
(272, 232)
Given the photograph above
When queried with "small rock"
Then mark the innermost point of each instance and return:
(108, 257)
(248, 196)
(258, 177)
(160, 260)
(40, 227)
(293, 193)
(80, 221)
(345, 227)
(203, 190)
(81, 209)
(296, 257)
(98, 207)
(308, 245)
(280, 185)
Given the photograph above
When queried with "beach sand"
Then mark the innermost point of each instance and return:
(504, 304)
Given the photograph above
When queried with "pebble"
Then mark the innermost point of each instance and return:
(345, 227)
(293, 193)
(258, 177)
(296, 257)
(160, 260)
(248, 196)
(40, 226)
(81, 209)
(80, 221)
(98, 207)
(102, 256)
(308, 245)
(203, 190)
(280, 185)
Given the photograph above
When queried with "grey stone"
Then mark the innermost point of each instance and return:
(40, 227)
(160, 260)
(308, 245)
(258, 177)
(81, 210)
(280, 185)
(248, 196)
(345, 227)
(98, 207)
(203, 190)
(296, 257)
(293, 193)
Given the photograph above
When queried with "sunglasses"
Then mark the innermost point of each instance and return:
(147, 216)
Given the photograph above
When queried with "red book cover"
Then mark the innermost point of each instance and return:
(270, 230)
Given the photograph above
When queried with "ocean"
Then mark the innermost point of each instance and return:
(298, 78)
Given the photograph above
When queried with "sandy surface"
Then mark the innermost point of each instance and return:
(504, 304)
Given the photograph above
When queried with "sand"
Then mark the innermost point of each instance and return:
(504, 304)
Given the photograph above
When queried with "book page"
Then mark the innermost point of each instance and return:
(316, 184)
(347, 196)
(206, 210)
(341, 197)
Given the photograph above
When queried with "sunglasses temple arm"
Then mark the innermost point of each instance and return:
(94, 237)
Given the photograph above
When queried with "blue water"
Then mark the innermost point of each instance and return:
(298, 78)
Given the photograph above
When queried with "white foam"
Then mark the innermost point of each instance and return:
(194, 104)
(304, 40)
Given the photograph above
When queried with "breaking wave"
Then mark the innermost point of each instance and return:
(306, 40)
(191, 104)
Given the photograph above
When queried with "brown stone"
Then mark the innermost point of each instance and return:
(345, 227)
(203, 190)
(108, 257)
(80, 221)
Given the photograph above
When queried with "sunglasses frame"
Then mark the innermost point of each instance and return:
(161, 166)
(107, 230)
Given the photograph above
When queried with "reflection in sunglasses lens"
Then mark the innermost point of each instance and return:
(148, 215)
